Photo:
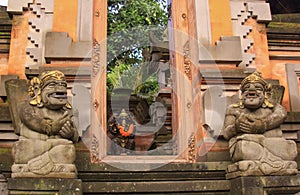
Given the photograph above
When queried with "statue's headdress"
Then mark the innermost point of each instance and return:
(38, 83)
(256, 77)
(56, 75)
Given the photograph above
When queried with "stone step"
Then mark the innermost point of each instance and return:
(151, 175)
(8, 137)
(4, 41)
(142, 187)
(6, 127)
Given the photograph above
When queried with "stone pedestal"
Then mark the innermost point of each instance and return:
(45, 186)
(3, 185)
(264, 185)
(258, 155)
(258, 168)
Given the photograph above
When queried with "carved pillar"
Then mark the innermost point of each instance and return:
(98, 112)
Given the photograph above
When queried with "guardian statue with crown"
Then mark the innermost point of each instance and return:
(252, 126)
(48, 131)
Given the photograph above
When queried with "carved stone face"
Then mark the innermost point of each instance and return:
(253, 95)
(54, 94)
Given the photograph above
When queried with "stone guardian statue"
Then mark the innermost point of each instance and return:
(252, 127)
(47, 130)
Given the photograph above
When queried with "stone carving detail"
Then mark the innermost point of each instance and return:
(95, 150)
(40, 22)
(241, 11)
(255, 138)
(47, 130)
(96, 57)
(187, 60)
(192, 155)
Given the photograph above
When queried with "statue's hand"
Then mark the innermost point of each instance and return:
(244, 124)
(259, 126)
(67, 130)
(249, 124)
(59, 123)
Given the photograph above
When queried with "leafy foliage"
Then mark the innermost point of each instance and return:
(129, 23)
(126, 14)
(135, 78)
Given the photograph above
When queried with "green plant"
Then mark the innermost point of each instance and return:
(129, 22)
(133, 77)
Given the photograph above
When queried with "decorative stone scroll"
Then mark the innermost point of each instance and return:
(252, 126)
(47, 130)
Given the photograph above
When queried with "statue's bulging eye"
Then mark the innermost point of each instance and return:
(51, 85)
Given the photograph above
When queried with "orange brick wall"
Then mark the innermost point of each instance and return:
(4, 64)
(18, 44)
(65, 17)
(260, 47)
(220, 19)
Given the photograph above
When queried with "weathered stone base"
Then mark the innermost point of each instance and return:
(3, 185)
(258, 168)
(265, 185)
(58, 171)
(45, 186)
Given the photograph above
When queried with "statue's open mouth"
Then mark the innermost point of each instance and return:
(251, 94)
(59, 95)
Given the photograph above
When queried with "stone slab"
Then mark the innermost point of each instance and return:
(161, 187)
(203, 22)
(3, 185)
(4, 113)
(47, 5)
(222, 51)
(265, 185)
(16, 92)
(237, 7)
(261, 10)
(82, 105)
(85, 20)
(16, 6)
(59, 45)
(42, 185)
(4, 78)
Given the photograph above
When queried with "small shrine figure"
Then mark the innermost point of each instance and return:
(121, 131)
(47, 130)
(252, 126)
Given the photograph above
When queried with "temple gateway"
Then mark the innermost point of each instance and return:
(150, 97)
